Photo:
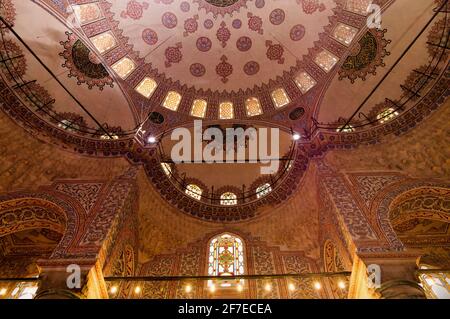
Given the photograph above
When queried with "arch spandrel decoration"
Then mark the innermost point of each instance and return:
(385, 207)
(30, 213)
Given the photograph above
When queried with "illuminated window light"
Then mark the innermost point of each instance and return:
(111, 136)
(147, 87)
(104, 42)
(387, 115)
(344, 33)
(263, 190)
(326, 60)
(226, 111)
(68, 125)
(317, 285)
(199, 108)
(87, 13)
(228, 199)
(305, 82)
(172, 100)
(166, 168)
(194, 191)
(280, 98)
(358, 6)
(347, 129)
(253, 107)
(124, 67)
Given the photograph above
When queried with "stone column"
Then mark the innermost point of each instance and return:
(394, 275)
(60, 281)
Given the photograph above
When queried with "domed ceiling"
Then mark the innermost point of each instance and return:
(102, 77)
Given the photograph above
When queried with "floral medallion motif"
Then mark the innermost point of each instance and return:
(223, 34)
(367, 55)
(204, 44)
(275, 52)
(224, 69)
(255, 23)
(190, 25)
(297, 32)
(197, 69)
(173, 55)
(251, 68)
(244, 43)
(150, 36)
(221, 7)
(84, 64)
(169, 20)
(134, 10)
(277, 17)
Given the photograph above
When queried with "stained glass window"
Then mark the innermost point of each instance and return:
(68, 126)
(253, 106)
(194, 191)
(147, 87)
(228, 199)
(172, 100)
(124, 67)
(436, 285)
(387, 115)
(347, 129)
(24, 290)
(199, 108)
(226, 111)
(166, 168)
(263, 190)
(280, 97)
(226, 257)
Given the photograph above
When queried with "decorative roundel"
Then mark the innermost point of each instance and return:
(169, 20)
(237, 23)
(197, 69)
(204, 44)
(191, 25)
(255, 23)
(185, 6)
(297, 113)
(208, 24)
(244, 43)
(156, 118)
(297, 32)
(277, 16)
(150, 36)
(173, 55)
(251, 68)
(260, 4)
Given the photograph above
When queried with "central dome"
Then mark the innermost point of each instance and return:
(223, 45)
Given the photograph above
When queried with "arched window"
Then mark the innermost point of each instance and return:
(226, 257)
(263, 190)
(166, 168)
(436, 285)
(194, 191)
(228, 199)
